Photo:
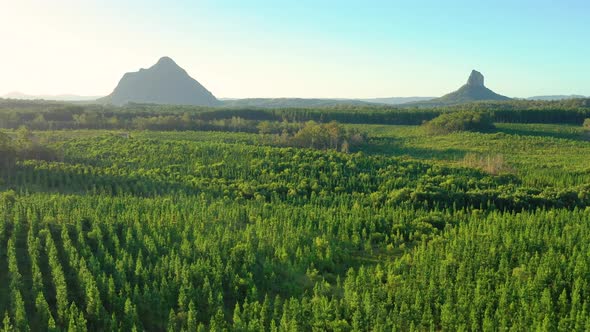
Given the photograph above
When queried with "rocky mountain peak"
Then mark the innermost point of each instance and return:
(163, 83)
(166, 61)
(475, 78)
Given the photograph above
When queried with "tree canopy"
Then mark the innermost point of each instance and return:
(460, 121)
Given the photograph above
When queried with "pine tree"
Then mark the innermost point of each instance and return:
(172, 324)
(6, 324)
(93, 302)
(217, 321)
(130, 315)
(20, 316)
(237, 318)
(357, 321)
(191, 319)
(81, 322)
(51, 327)
(43, 312)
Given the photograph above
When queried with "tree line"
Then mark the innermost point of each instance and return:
(54, 116)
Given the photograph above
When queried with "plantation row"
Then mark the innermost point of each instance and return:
(202, 231)
(99, 262)
(117, 166)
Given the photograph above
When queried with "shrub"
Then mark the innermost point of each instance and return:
(587, 123)
(460, 121)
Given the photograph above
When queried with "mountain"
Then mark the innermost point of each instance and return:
(473, 90)
(396, 100)
(163, 83)
(62, 97)
(556, 97)
(291, 102)
(316, 102)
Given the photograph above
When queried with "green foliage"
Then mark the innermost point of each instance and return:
(23, 146)
(538, 154)
(44, 115)
(322, 136)
(228, 231)
(6, 324)
(587, 123)
(460, 121)
(7, 151)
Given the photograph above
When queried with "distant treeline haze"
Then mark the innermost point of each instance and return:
(51, 116)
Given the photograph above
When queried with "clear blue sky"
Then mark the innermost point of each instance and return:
(299, 48)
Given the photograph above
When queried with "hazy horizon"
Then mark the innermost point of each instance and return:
(303, 49)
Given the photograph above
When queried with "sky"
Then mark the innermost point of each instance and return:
(302, 48)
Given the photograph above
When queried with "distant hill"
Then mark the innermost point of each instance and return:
(290, 102)
(163, 83)
(316, 102)
(473, 90)
(397, 100)
(61, 97)
(556, 97)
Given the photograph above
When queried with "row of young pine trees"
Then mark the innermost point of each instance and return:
(185, 262)
(79, 263)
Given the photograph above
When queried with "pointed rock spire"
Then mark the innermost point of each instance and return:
(475, 79)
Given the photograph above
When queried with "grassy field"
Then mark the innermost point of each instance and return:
(540, 154)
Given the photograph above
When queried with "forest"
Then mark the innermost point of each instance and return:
(170, 218)
(44, 115)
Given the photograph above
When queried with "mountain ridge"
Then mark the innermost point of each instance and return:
(556, 97)
(60, 97)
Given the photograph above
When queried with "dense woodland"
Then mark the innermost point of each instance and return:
(275, 220)
(42, 115)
